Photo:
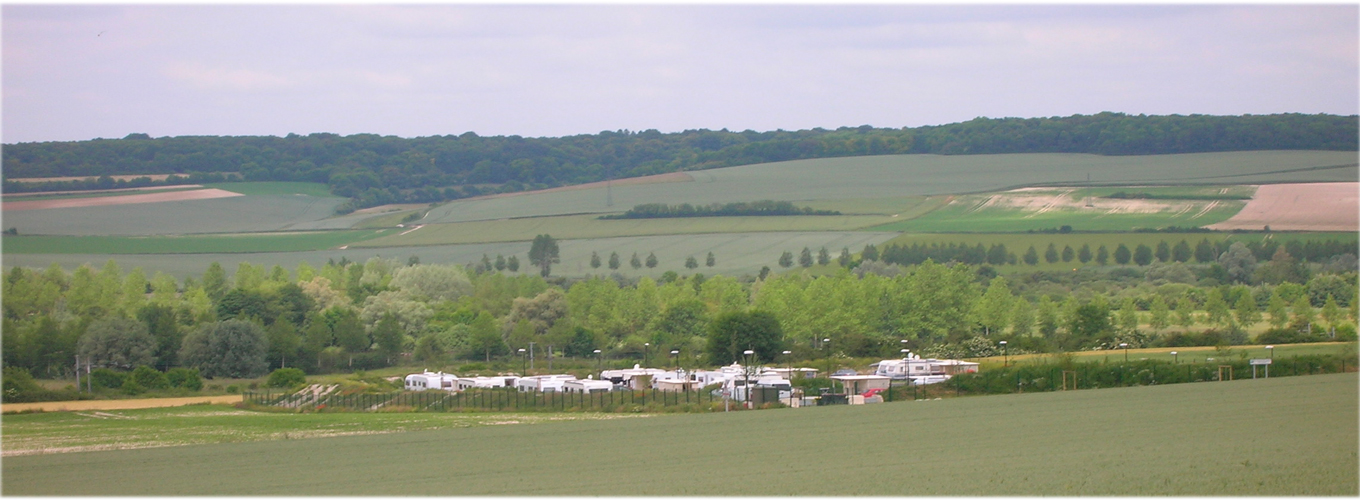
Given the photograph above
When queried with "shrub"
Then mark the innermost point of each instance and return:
(150, 379)
(185, 377)
(233, 389)
(1288, 336)
(131, 387)
(286, 377)
(19, 386)
(106, 378)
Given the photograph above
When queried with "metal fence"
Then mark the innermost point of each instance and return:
(486, 400)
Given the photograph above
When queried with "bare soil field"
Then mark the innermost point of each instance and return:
(120, 404)
(198, 194)
(1042, 200)
(98, 191)
(1323, 206)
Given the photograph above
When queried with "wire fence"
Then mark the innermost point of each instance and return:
(504, 400)
(1014, 379)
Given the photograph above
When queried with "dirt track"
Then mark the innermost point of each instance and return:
(1323, 206)
(119, 404)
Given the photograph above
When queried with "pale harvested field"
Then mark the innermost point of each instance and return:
(197, 194)
(98, 191)
(1329, 206)
(119, 404)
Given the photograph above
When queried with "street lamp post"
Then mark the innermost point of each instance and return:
(522, 360)
(1005, 355)
(646, 348)
(826, 344)
(1175, 359)
(1125, 347)
(1271, 349)
(747, 372)
(597, 359)
(675, 353)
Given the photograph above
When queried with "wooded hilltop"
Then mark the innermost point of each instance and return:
(373, 169)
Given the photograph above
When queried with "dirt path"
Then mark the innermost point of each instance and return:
(119, 404)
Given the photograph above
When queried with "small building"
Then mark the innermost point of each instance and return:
(428, 381)
(792, 373)
(465, 383)
(587, 386)
(857, 384)
(676, 385)
(626, 375)
(952, 367)
(543, 383)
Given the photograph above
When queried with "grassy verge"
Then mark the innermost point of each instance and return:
(191, 244)
(1285, 436)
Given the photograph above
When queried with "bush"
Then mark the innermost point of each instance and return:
(131, 387)
(106, 378)
(150, 379)
(19, 386)
(185, 377)
(286, 377)
(1288, 336)
(233, 389)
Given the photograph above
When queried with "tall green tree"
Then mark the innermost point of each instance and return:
(117, 343)
(544, 253)
(733, 333)
(1084, 255)
(1051, 254)
(228, 349)
(1122, 255)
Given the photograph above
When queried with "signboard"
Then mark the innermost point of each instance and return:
(1261, 361)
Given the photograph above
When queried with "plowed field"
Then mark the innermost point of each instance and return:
(1330, 206)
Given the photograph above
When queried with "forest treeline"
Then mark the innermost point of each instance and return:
(754, 208)
(352, 316)
(372, 169)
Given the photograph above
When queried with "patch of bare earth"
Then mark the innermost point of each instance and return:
(118, 404)
(197, 194)
(97, 191)
(1041, 200)
(1323, 206)
(154, 177)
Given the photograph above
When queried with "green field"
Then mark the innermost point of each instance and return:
(1283, 436)
(736, 253)
(96, 430)
(869, 177)
(191, 244)
(576, 227)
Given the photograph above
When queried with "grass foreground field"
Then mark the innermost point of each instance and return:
(1285, 436)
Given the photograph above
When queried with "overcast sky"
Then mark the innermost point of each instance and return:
(81, 72)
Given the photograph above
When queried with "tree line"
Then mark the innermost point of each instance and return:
(372, 169)
(350, 316)
(754, 208)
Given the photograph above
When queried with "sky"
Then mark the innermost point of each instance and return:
(78, 72)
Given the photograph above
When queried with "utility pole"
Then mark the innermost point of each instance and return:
(77, 373)
(531, 355)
